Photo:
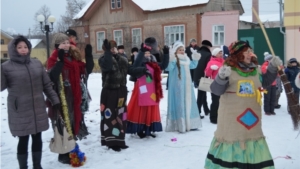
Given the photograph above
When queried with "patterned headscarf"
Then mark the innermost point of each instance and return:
(238, 46)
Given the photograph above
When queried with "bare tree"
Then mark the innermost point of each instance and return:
(66, 21)
(44, 10)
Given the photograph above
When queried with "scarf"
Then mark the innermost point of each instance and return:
(72, 71)
(157, 79)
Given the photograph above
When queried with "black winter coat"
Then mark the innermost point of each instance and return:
(202, 63)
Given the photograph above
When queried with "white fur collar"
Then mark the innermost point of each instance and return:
(184, 59)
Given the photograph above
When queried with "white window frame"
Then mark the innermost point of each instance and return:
(140, 39)
(117, 3)
(119, 42)
(113, 2)
(168, 39)
(219, 43)
(100, 42)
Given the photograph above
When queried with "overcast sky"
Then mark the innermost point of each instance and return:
(18, 15)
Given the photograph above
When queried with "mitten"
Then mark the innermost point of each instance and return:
(195, 54)
(106, 45)
(214, 67)
(61, 54)
(224, 71)
(88, 50)
(166, 50)
(147, 73)
(276, 61)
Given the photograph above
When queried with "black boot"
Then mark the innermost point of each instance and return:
(22, 158)
(141, 134)
(36, 159)
(64, 158)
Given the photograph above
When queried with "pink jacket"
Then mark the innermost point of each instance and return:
(264, 68)
(213, 61)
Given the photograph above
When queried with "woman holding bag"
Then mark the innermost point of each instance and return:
(211, 71)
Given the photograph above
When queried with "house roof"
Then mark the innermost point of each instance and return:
(6, 34)
(35, 42)
(263, 18)
(154, 5)
(151, 5)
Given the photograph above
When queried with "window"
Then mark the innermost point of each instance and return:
(100, 39)
(2, 41)
(118, 37)
(136, 37)
(5, 55)
(174, 33)
(116, 4)
(218, 35)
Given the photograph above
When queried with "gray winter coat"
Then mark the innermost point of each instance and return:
(26, 80)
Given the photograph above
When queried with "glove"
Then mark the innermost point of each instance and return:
(61, 54)
(145, 48)
(196, 85)
(56, 106)
(88, 50)
(214, 67)
(106, 45)
(276, 62)
(147, 73)
(225, 71)
(166, 50)
(193, 51)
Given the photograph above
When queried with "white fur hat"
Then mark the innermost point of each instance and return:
(216, 51)
(176, 45)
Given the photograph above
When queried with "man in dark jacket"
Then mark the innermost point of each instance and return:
(205, 52)
(193, 44)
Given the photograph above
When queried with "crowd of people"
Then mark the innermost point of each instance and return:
(237, 78)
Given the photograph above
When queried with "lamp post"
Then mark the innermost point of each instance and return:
(46, 29)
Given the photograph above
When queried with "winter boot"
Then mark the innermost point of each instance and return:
(64, 158)
(36, 160)
(22, 158)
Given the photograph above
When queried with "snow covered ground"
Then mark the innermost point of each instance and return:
(188, 152)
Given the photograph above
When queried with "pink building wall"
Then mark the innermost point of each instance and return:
(230, 20)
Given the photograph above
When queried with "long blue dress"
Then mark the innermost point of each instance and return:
(183, 114)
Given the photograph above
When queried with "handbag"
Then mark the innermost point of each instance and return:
(62, 142)
(205, 83)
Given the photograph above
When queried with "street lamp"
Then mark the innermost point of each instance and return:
(47, 28)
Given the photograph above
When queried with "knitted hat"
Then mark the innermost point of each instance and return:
(206, 43)
(120, 47)
(216, 51)
(151, 41)
(134, 49)
(268, 57)
(238, 46)
(113, 44)
(193, 40)
(59, 38)
(293, 60)
(71, 32)
(177, 45)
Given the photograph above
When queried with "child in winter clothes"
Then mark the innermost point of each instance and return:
(291, 72)
(183, 113)
(270, 96)
(211, 70)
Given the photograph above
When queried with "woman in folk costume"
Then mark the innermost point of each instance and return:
(183, 114)
(211, 71)
(143, 108)
(115, 68)
(66, 67)
(239, 141)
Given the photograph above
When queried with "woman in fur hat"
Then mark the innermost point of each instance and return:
(134, 52)
(182, 114)
(67, 64)
(143, 108)
(291, 71)
(239, 141)
(26, 80)
(113, 107)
